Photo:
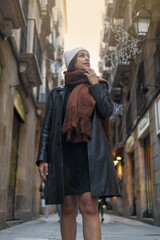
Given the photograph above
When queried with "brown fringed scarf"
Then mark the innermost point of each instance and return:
(79, 108)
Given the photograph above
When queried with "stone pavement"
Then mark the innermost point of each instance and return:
(113, 228)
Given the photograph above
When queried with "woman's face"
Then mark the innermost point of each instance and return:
(82, 61)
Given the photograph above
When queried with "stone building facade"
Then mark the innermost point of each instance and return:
(29, 42)
(135, 89)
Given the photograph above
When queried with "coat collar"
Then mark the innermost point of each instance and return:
(62, 90)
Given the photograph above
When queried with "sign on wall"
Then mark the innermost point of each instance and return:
(143, 126)
(130, 143)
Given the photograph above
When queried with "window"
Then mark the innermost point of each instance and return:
(23, 42)
(25, 8)
(114, 134)
(157, 114)
(128, 120)
(141, 98)
(120, 129)
(157, 63)
(157, 56)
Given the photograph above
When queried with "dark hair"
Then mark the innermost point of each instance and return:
(71, 67)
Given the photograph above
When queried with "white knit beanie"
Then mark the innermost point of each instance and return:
(69, 55)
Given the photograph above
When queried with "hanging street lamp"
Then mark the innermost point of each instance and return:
(141, 22)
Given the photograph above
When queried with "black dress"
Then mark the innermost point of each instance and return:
(75, 162)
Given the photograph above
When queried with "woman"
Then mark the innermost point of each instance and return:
(74, 155)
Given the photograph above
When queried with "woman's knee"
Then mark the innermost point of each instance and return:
(89, 204)
(70, 206)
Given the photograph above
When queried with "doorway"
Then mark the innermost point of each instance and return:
(148, 178)
(13, 166)
(133, 187)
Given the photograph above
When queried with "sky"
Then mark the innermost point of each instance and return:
(84, 22)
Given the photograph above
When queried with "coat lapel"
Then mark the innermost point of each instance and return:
(62, 90)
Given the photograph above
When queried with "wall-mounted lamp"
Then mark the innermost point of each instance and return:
(141, 22)
(145, 87)
(118, 158)
(116, 161)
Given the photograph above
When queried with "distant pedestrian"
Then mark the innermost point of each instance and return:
(59, 211)
(45, 208)
(102, 206)
(74, 156)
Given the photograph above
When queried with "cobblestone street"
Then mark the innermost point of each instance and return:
(115, 228)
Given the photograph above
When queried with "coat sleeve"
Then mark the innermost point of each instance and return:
(45, 132)
(103, 100)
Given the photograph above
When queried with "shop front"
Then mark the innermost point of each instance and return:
(18, 119)
(131, 176)
(145, 161)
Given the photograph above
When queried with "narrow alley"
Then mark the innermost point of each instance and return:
(113, 227)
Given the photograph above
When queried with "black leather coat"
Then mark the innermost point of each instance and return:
(102, 172)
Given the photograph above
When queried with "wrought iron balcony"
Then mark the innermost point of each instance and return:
(30, 58)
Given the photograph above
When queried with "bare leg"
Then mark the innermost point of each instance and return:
(91, 221)
(68, 218)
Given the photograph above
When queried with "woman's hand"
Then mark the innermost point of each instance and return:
(43, 170)
(91, 75)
